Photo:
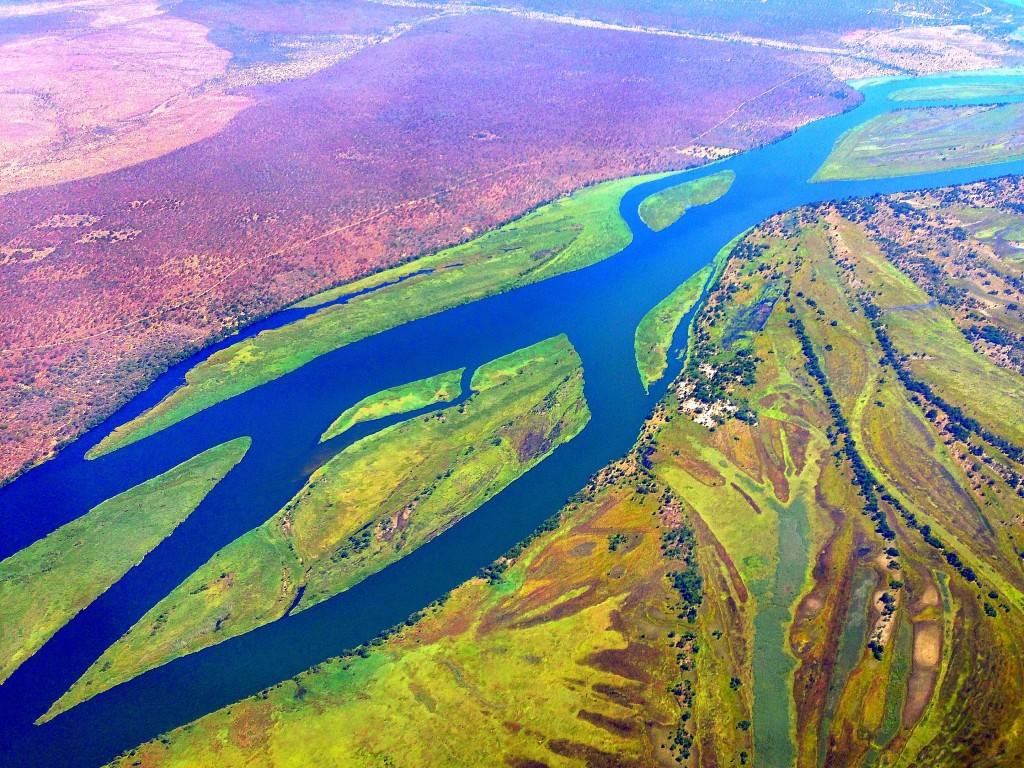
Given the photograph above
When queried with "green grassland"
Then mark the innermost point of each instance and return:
(572, 655)
(45, 585)
(923, 140)
(961, 91)
(663, 209)
(442, 388)
(566, 235)
(939, 353)
(373, 503)
(654, 333)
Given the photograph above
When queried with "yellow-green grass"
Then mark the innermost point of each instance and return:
(373, 503)
(923, 140)
(991, 90)
(654, 333)
(566, 235)
(663, 209)
(566, 661)
(442, 388)
(940, 355)
(45, 585)
(737, 476)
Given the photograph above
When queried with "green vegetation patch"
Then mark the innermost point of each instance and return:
(552, 662)
(370, 505)
(566, 235)
(989, 90)
(442, 388)
(45, 585)
(663, 209)
(925, 140)
(654, 333)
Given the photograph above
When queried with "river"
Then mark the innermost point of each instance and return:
(598, 308)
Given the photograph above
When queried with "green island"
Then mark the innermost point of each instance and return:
(566, 235)
(654, 333)
(43, 586)
(817, 491)
(960, 91)
(370, 505)
(442, 388)
(925, 140)
(665, 208)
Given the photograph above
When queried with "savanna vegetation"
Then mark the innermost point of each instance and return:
(153, 262)
(43, 586)
(370, 505)
(873, 530)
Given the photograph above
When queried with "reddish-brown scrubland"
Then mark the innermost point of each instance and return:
(450, 128)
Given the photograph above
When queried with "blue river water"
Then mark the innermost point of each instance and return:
(598, 308)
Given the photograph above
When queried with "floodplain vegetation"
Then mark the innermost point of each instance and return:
(654, 334)
(566, 235)
(926, 139)
(810, 557)
(43, 586)
(442, 388)
(663, 209)
(373, 503)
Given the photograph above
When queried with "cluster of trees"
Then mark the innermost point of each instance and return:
(862, 476)
(680, 544)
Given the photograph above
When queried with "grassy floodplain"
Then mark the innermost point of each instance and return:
(45, 585)
(654, 333)
(376, 501)
(927, 139)
(442, 388)
(566, 235)
(961, 91)
(663, 209)
(889, 499)
(567, 652)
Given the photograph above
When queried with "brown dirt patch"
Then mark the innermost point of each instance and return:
(618, 726)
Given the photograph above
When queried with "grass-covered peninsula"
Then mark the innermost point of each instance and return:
(376, 501)
(663, 209)
(654, 334)
(442, 388)
(568, 234)
(926, 139)
(45, 585)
